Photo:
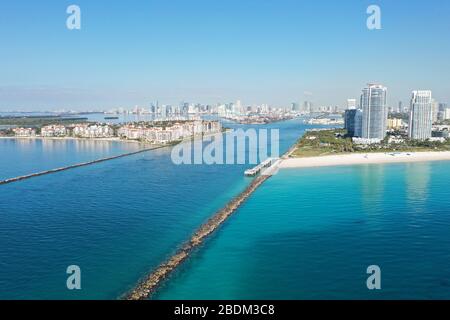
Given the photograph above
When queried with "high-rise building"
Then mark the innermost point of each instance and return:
(373, 104)
(441, 114)
(358, 123)
(447, 114)
(353, 122)
(349, 121)
(421, 115)
(435, 110)
(351, 104)
(308, 106)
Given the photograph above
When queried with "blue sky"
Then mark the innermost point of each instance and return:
(134, 52)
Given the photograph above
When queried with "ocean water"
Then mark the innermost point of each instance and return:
(24, 156)
(116, 220)
(312, 233)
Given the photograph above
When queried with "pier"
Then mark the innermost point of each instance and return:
(83, 164)
(260, 167)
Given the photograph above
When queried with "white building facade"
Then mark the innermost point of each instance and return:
(373, 104)
(421, 115)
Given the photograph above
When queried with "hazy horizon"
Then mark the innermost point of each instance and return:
(275, 53)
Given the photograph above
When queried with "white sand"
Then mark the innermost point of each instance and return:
(362, 158)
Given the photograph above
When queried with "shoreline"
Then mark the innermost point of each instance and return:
(364, 158)
(113, 139)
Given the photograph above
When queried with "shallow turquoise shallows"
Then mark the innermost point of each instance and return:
(312, 233)
(116, 220)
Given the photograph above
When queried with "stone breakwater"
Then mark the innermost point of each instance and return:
(33, 175)
(148, 286)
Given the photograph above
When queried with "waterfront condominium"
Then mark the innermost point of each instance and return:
(353, 122)
(421, 115)
(373, 104)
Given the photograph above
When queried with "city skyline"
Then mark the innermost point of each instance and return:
(258, 53)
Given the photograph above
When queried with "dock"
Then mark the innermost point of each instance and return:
(260, 167)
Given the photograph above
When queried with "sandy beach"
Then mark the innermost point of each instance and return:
(363, 158)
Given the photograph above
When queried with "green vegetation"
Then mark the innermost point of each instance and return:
(322, 143)
(38, 122)
(160, 123)
(329, 142)
(416, 146)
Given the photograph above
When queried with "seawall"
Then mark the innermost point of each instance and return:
(83, 164)
(148, 286)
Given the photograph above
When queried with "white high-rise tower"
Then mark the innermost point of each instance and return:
(421, 115)
(373, 104)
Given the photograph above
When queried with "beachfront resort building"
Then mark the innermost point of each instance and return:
(167, 134)
(421, 115)
(53, 131)
(24, 132)
(373, 104)
(92, 131)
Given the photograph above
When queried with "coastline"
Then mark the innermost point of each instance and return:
(364, 158)
(113, 139)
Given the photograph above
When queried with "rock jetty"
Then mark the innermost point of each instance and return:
(147, 287)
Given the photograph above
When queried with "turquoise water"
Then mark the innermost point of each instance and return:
(117, 220)
(312, 233)
(305, 234)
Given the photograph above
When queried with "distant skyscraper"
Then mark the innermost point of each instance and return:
(400, 107)
(373, 104)
(307, 106)
(351, 104)
(421, 115)
(441, 113)
(446, 114)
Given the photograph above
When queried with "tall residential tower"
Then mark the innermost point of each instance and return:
(373, 104)
(421, 115)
